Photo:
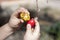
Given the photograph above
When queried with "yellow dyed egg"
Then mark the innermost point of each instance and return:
(25, 16)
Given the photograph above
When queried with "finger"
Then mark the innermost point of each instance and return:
(18, 21)
(37, 27)
(24, 10)
(22, 21)
(36, 18)
(17, 12)
(28, 28)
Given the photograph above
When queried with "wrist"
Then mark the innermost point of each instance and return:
(8, 27)
(5, 31)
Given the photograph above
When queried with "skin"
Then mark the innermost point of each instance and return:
(32, 34)
(13, 24)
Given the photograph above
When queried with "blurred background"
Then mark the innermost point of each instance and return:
(48, 15)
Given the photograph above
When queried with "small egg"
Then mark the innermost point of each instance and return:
(25, 16)
(32, 23)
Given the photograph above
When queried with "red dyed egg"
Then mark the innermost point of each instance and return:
(32, 23)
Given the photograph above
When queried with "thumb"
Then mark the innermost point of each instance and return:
(28, 28)
(22, 21)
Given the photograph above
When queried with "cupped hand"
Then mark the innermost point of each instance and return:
(14, 21)
(32, 34)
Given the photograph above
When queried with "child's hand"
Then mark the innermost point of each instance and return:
(32, 34)
(14, 20)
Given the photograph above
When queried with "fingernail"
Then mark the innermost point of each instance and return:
(21, 20)
(28, 26)
(36, 18)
